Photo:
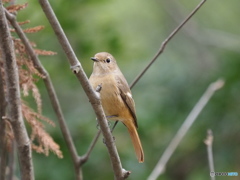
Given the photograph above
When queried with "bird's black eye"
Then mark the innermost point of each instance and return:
(108, 60)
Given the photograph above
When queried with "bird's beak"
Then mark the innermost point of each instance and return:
(94, 59)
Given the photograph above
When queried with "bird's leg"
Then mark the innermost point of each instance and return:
(112, 127)
(116, 122)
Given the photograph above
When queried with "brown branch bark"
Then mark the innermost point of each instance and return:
(3, 157)
(51, 92)
(13, 99)
(159, 168)
(92, 95)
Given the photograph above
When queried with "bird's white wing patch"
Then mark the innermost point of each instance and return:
(129, 94)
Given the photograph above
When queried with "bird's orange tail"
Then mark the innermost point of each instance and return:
(136, 142)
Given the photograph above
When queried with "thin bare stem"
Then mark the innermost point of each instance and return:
(165, 42)
(92, 95)
(14, 99)
(208, 141)
(51, 92)
(85, 157)
(159, 168)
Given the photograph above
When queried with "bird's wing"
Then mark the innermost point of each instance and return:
(126, 95)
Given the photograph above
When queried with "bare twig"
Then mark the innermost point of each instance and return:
(85, 157)
(14, 100)
(92, 95)
(51, 92)
(165, 42)
(159, 168)
(208, 141)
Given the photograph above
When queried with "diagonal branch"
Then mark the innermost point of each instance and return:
(159, 168)
(51, 92)
(166, 41)
(14, 100)
(92, 95)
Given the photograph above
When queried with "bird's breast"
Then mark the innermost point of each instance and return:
(112, 103)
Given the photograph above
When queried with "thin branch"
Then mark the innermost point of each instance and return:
(208, 141)
(14, 99)
(3, 153)
(159, 168)
(85, 157)
(92, 95)
(165, 42)
(51, 92)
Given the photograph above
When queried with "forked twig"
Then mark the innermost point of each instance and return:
(208, 141)
(85, 157)
(159, 168)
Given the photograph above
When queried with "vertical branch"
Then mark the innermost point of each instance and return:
(208, 141)
(159, 168)
(14, 100)
(51, 92)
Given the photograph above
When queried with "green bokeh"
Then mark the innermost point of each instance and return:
(204, 50)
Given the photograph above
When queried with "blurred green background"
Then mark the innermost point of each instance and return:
(208, 47)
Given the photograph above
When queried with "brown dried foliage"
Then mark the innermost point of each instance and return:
(44, 52)
(8, 134)
(42, 142)
(34, 29)
(17, 7)
(24, 22)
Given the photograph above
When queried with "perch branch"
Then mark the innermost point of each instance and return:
(208, 141)
(14, 100)
(159, 168)
(51, 92)
(165, 42)
(92, 95)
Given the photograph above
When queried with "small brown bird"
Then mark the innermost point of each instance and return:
(116, 97)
